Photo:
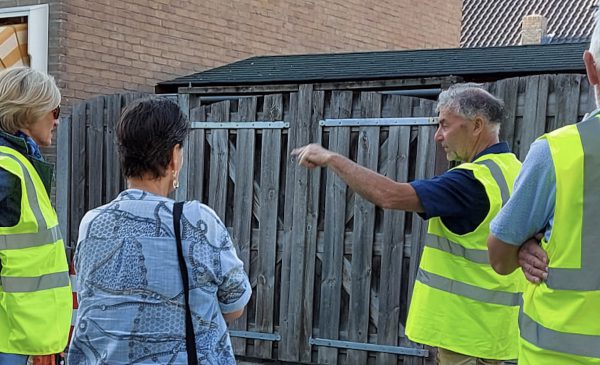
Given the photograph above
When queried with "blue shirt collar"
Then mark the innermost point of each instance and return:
(32, 148)
(500, 147)
(589, 115)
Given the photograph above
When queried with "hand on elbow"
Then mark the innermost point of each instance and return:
(533, 260)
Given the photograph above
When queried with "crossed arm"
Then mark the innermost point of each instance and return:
(506, 258)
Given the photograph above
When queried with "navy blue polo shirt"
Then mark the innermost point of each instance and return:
(456, 196)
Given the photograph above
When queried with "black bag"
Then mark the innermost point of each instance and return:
(190, 337)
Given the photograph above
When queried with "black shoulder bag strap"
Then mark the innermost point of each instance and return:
(190, 337)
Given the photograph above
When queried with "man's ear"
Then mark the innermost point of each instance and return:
(478, 124)
(590, 68)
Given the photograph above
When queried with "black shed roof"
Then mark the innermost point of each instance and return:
(471, 63)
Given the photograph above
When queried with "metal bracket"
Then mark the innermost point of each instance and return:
(378, 122)
(256, 335)
(241, 125)
(369, 347)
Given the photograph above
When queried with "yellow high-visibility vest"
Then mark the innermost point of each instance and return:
(560, 318)
(459, 303)
(35, 290)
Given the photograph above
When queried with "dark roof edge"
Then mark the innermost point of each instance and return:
(171, 86)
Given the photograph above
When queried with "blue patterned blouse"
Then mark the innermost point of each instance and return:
(130, 290)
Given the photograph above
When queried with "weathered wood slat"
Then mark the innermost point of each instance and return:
(267, 249)
(113, 167)
(424, 169)
(534, 112)
(588, 95)
(364, 225)
(566, 101)
(63, 179)
(428, 109)
(268, 224)
(78, 170)
(182, 193)
(508, 90)
(334, 232)
(219, 153)
(196, 157)
(292, 313)
(424, 148)
(94, 147)
(288, 221)
(391, 278)
(314, 181)
(242, 201)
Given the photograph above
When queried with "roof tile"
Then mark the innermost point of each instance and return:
(488, 23)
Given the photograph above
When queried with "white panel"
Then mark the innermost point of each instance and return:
(37, 32)
(38, 37)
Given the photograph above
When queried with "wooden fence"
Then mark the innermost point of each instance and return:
(331, 273)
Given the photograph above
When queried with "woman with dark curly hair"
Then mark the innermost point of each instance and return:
(132, 299)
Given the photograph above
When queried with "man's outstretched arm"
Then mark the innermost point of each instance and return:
(376, 188)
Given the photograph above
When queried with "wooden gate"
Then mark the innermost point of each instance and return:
(329, 270)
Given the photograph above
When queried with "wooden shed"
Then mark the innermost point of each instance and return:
(331, 273)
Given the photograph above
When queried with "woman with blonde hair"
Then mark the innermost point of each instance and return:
(35, 292)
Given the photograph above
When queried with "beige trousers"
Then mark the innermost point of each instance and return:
(447, 357)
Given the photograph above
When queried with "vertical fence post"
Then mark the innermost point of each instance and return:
(63, 178)
(181, 193)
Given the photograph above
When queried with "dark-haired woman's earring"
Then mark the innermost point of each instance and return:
(175, 180)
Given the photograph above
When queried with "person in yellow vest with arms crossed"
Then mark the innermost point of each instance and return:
(557, 193)
(35, 290)
(459, 304)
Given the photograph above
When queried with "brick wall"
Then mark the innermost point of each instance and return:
(109, 46)
(133, 44)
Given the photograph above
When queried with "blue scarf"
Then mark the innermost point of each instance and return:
(32, 148)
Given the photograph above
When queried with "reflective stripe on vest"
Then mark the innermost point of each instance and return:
(588, 276)
(579, 209)
(499, 177)
(456, 249)
(467, 290)
(568, 343)
(44, 235)
(30, 284)
(453, 248)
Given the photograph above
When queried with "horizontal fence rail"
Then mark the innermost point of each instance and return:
(369, 347)
(363, 122)
(240, 125)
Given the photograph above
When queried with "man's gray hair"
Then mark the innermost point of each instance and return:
(470, 101)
